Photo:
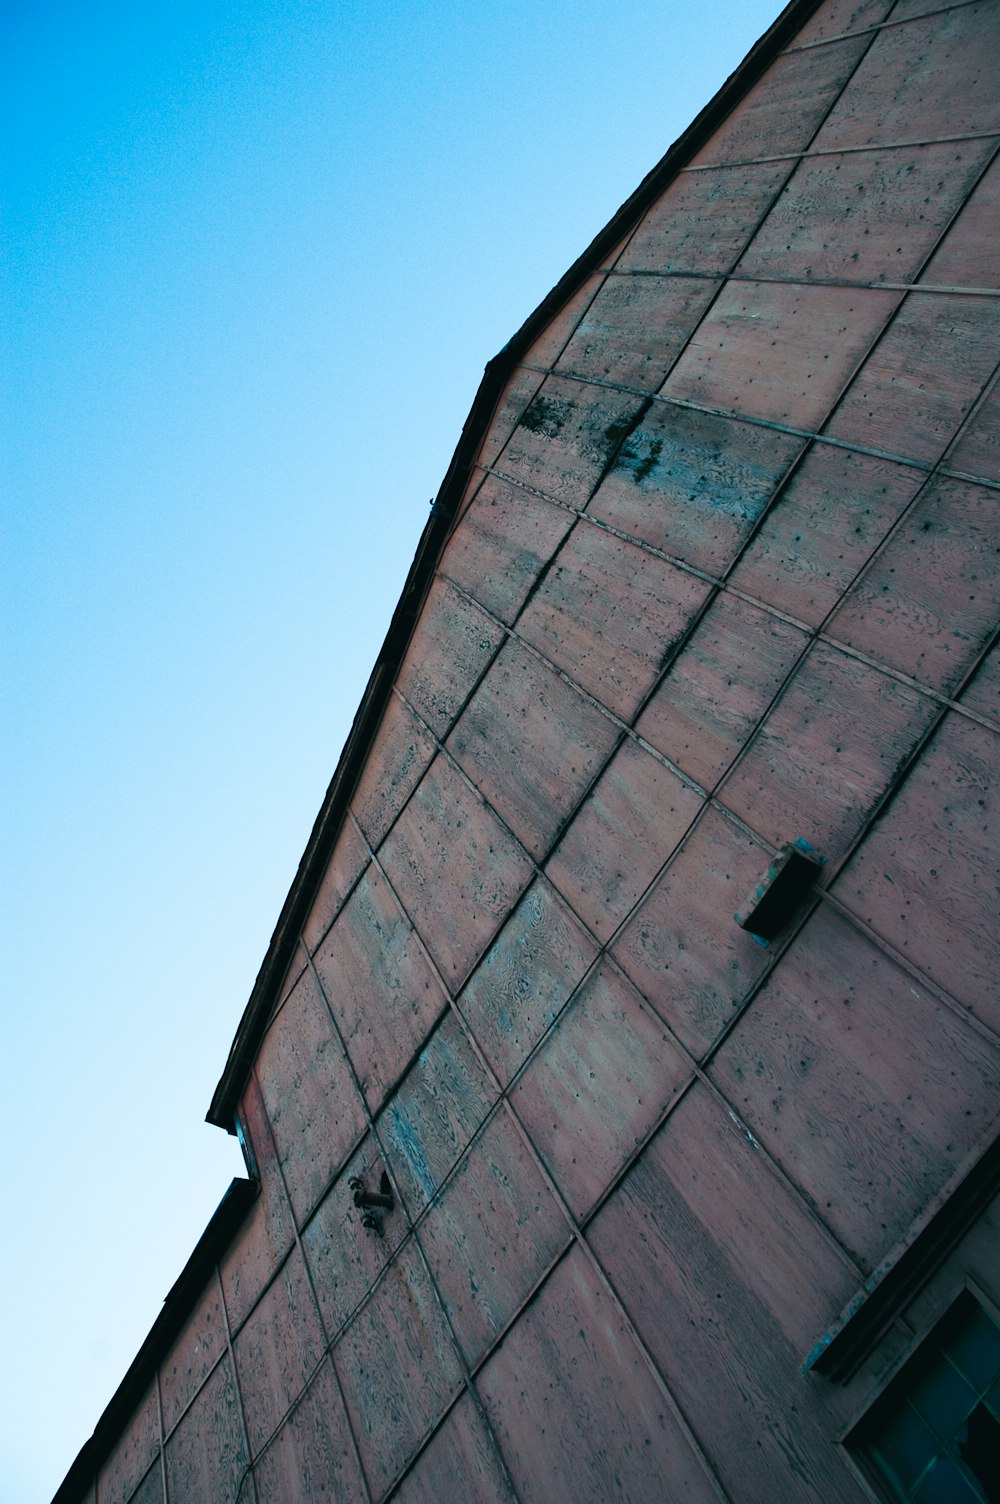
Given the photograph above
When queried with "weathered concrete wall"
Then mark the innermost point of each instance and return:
(727, 575)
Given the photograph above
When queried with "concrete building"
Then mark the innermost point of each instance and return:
(656, 1203)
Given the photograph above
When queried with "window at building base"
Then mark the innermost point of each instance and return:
(933, 1437)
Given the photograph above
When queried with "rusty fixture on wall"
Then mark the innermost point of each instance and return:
(371, 1203)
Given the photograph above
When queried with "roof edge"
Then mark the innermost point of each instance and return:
(333, 810)
(177, 1306)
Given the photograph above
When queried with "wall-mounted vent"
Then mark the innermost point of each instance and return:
(781, 892)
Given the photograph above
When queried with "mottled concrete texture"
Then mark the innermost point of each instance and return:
(724, 574)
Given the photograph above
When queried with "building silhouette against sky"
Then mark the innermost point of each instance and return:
(620, 1087)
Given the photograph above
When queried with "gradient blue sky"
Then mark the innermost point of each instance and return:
(256, 256)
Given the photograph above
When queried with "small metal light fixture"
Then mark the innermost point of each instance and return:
(781, 892)
(371, 1202)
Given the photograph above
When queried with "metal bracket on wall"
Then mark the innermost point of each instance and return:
(372, 1202)
(780, 893)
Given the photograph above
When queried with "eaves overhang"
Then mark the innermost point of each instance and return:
(222, 1111)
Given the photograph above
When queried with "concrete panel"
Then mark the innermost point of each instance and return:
(277, 1350)
(312, 1102)
(567, 437)
(206, 1456)
(864, 216)
(926, 877)
(518, 393)
(778, 351)
(434, 1113)
(495, 1230)
(138, 1444)
(977, 450)
(867, 1090)
(550, 343)
(378, 981)
(151, 1489)
(201, 1343)
(826, 753)
(893, 405)
(931, 600)
(703, 220)
(345, 1258)
(908, 10)
(266, 1235)
(525, 978)
(451, 646)
(905, 88)
(693, 484)
(982, 696)
(290, 980)
(729, 1330)
(462, 1461)
(395, 765)
(502, 544)
(719, 686)
(597, 1085)
(683, 949)
(312, 1458)
(350, 857)
(608, 613)
(970, 253)
(398, 1367)
(838, 17)
(577, 1412)
(635, 329)
(828, 521)
(532, 744)
(626, 829)
(780, 114)
(455, 868)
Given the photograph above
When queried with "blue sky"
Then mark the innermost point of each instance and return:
(255, 259)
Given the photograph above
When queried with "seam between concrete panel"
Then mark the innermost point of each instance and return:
(977, 1025)
(938, 289)
(837, 866)
(837, 151)
(723, 583)
(723, 275)
(722, 587)
(466, 1384)
(171, 1433)
(705, 313)
(902, 303)
(696, 1065)
(504, 1103)
(542, 656)
(726, 278)
(239, 1393)
(883, 25)
(331, 1339)
(738, 417)
(696, 1073)
(254, 1075)
(336, 915)
(297, 1244)
(163, 1441)
(713, 797)
(602, 275)
(754, 422)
